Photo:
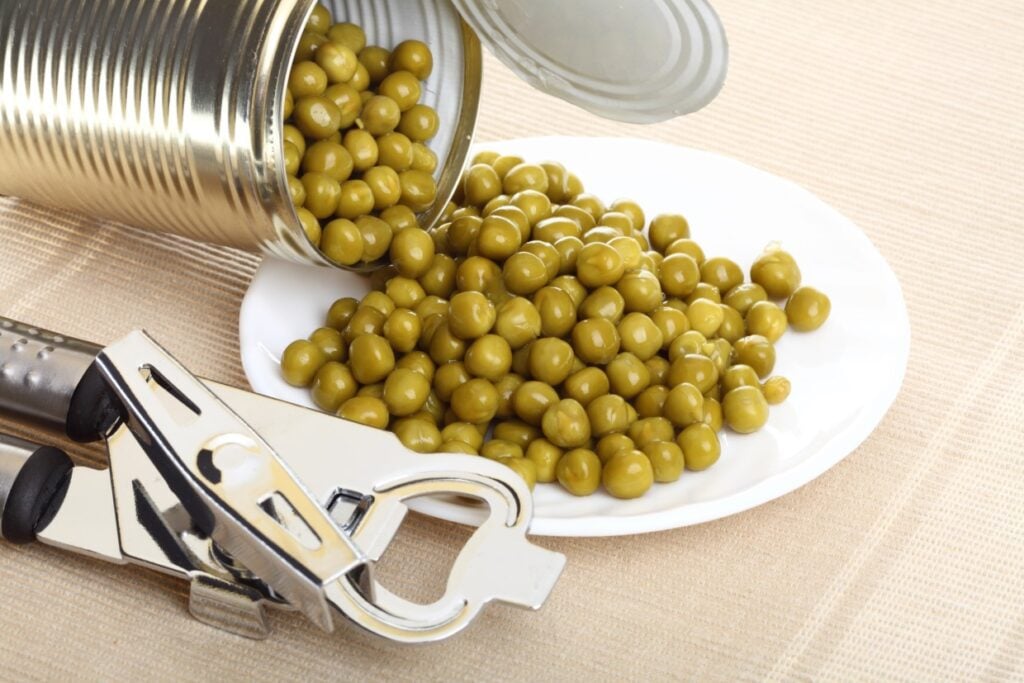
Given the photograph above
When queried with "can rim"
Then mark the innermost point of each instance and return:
(290, 232)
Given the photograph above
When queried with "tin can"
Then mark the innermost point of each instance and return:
(167, 114)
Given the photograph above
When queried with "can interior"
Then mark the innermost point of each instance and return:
(453, 90)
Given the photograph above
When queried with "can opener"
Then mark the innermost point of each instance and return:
(256, 502)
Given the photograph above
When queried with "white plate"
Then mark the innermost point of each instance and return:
(845, 376)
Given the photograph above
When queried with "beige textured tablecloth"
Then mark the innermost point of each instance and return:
(905, 561)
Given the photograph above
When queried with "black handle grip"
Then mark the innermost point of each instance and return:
(51, 379)
(33, 482)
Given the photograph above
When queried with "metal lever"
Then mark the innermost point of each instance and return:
(232, 483)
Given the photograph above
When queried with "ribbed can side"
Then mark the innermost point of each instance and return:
(159, 113)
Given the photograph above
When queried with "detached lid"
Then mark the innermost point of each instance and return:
(638, 61)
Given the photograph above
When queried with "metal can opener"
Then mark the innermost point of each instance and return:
(254, 501)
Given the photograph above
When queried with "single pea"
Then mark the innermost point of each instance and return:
(417, 361)
(445, 346)
(631, 209)
(297, 192)
(666, 229)
(333, 385)
(627, 375)
(499, 238)
(705, 316)
(364, 321)
(742, 297)
(518, 218)
(700, 446)
(641, 291)
(380, 115)
(808, 309)
(362, 147)
(377, 237)
(599, 265)
(628, 475)
(551, 360)
(471, 315)
(322, 194)
(431, 305)
(640, 336)
(585, 385)
(535, 205)
(605, 303)
(768, 320)
(316, 117)
(361, 81)
(349, 35)
(757, 352)
(385, 185)
(579, 472)
(475, 401)
(449, 377)
(671, 323)
(405, 392)
(309, 43)
(394, 151)
(419, 436)
(547, 254)
(376, 60)
(518, 322)
(292, 159)
(505, 163)
(568, 249)
(319, 20)
(300, 362)
(338, 62)
(571, 286)
(684, 405)
(413, 56)
(517, 432)
(739, 375)
(464, 432)
(667, 460)
(354, 200)
(524, 467)
(581, 217)
(330, 342)
(651, 401)
(545, 456)
(693, 369)
(688, 247)
(418, 189)
(611, 445)
(310, 226)
(629, 250)
(713, 414)
(412, 252)
(557, 312)
(745, 409)
(306, 79)
(557, 181)
(403, 88)
(424, 159)
(525, 177)
(722, 273)
(590, 203)
(420, 123)
(371, 358)
(439, 280)
(596, 341)
(328, 158)
(349, 102)
(658, 366)
(650, 430)
(365, 410)
(524, 273)
(609, 414)
(477, 274)
(532, 400)
(618, 221)
(776, 390)
(777, 272)
(462, 233)
(342, 242)
(402, 330)
(405, 292)
(489, 357)
(481, 184)
(341, 312)
(733, 325)
(566, 425)
(499, 202)
(690, 341)
(704, 291)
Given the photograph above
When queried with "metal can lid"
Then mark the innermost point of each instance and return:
(638, 61)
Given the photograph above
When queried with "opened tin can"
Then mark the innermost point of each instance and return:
(167, 114)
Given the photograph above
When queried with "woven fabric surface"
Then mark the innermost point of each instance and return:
(905, 561)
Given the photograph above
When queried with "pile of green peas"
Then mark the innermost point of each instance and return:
(540, 327)
(355, 135)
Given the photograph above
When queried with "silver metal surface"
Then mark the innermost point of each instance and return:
(86, 521)
(229, 480)
(168, 114)
(39, 370)
(13, 454)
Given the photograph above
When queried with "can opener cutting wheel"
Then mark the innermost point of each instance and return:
(252, 500)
